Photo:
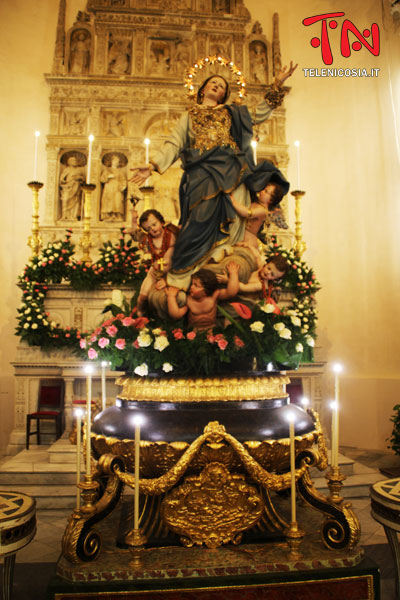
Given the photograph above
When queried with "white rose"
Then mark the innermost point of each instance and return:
(28, 298)
(267, 308)
(34, 325)
(26, 325)
(144, 340)
(296, 321)
(109, 248)
(310, 341)
(39, 317)
(52, 324)
(161, 343)
(142, 370)
(29, 318)
(117, 297)
(299, 347)
(28, 310)
(157, 331)
(45, 322)
(167, 367)
(285, 333)
(257, 326)
(304, 329)
(279, 326)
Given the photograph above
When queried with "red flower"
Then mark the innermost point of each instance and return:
(136, 344)
(120, 343)
(112, 330)
(140, 322)
(242, 310)
(127, 321)
(191, 335)
(210, 337)
(222, 344)
(178, 334)
(238, 342)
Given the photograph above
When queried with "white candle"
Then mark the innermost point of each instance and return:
(146, 143)
(91, 138)
(291, 419)
(37, 134)
(138, 420)
(337, 368)
(297, 144)
(254, 146)
(104, 364)
(78, 414)
(88, 371)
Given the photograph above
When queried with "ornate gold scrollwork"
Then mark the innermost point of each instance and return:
(80, 543)
(212, 508)
(214, 433)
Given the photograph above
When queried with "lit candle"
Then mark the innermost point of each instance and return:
(297, 144)
(37, 134)
(78, 414)
(146, 143)
(291, 419)
(104, 364)
(89, 372)
(337, 368)
(254, 146)
(138, 420)
(91, 138)
(305, 402)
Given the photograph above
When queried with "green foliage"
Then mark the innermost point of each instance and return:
(395, 438)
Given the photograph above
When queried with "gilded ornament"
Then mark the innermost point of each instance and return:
(211, 126)
(213, 508)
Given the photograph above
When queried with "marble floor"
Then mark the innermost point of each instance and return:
(46, 546)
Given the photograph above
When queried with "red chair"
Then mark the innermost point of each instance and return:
(50, 408)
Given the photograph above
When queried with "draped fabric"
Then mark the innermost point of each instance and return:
(206, 210)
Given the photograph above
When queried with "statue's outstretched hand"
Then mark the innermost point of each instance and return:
(285, 73)
(140, 175)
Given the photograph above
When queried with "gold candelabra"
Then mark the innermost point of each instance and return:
(34, 240)
(294, 536)
(300, 245)
(335, 480)
(86, 240)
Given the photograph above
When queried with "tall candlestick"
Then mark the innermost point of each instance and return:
(37, 134)
(297, 144)
(91, 138)
(104, 364)
(138, 420)
(89, 371)
(78, 414)
(291, 418)
(254, 146)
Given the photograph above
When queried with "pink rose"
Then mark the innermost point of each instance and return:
(93, 338)
(92, 354)
(127, 321)
(112, 330)
(120, 343)
(136, 344)
(103, 342)
(210, 338)
(222, 344)
(191, 335)
(82, 343)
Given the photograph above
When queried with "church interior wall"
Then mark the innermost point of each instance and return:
(349, 170)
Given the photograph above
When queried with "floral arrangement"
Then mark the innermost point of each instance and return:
(118, 264)
(273, 338)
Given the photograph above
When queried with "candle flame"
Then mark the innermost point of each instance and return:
(146, 141)
(138, 420)
(88, 369)
(337, 368)
(91, 137)
(78, 412)
(37, 133)
(297, 144)
(334, 405)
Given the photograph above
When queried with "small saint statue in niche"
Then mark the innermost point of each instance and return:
(115, 183)
(71, 179)
(119, 56)
(80, 52)
(258, 62)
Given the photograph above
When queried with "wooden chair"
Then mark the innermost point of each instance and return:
(50, 408)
